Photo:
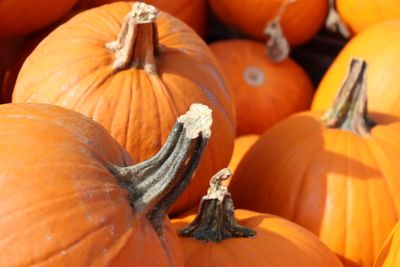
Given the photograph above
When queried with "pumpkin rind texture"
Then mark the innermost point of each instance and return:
(361, 14)
(137, 108)
(300, 22)
(60, 204)
(265, 92)
(389, 256)
(278, 243)
(25, 16)
(378, 46)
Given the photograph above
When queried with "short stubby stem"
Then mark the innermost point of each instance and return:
(277, 47)
(215, 220)
(137, 41)
(334, 23)
(349, 110)
(155, 184)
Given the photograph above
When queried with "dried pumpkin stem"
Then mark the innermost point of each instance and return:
(156, 183)
(349, 109)
(334, 23)
(215, 220)
(277, 47)
(137, 41)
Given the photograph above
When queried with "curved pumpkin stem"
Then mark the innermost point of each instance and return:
(334, 23)
(349, 109)
(277, 47)
(215, 220)
(137, 41)
(156, 183)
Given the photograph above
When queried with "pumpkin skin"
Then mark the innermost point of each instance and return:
(382, 56)
(192, 12)
(58, 194)
(137, 108)
(343, 188)
(25, 16)
(265, 92)
(242, 145)
(389, 254)
(275, 240)
(360, 15)
(300, 22)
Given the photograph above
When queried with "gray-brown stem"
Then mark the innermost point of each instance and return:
(349, 109)
(137, 41)
(156, 183)
(215, 220)
(277, 47)
(334, 23)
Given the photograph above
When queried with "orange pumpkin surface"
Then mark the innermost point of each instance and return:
(192, 12)
(300, 22)
(242, 145)
(221, 236)
(361, 14)
(136, 90)
(265, 92)
(389, 256)
(19, 17)
(338, 177)
(70, 198)
(378, 46)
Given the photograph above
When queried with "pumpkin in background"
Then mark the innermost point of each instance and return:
(379, 47)
(19, 17)
(192, 12)
(338, 177)
(361, 14)
(265, 92)
(242, 145)
(389, 256)
(70, 195)
(220, 236)
(300, 22)
(135, 92)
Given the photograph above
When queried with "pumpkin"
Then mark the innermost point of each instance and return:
(300, 22)
(242, 145)
(70, 195)
(192, 12)
(382, 55)
(136, 92)
(337, 176)
(389, 254)
(245, 238)
(265, 92)
(25, 16)
(359, 15)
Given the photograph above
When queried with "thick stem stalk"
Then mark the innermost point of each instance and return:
(334, 23)
(349, 110)
(156, 183)
(215, 220)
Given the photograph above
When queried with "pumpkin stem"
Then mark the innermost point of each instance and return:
(137, 41)
(349, 109)
(277, 47)
(215, 220)
(334, 23)
(156, 183)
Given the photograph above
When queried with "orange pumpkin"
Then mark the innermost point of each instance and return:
(223, 234)
(265, 92)
(25, 16)
(389, 256)
(361, 14)
(338, 177)
(379, 47)
(192, 12)
(136, 92)
(300, 22)
(70, 196)
(242, 145)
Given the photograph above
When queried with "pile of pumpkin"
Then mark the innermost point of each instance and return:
(122, 117)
